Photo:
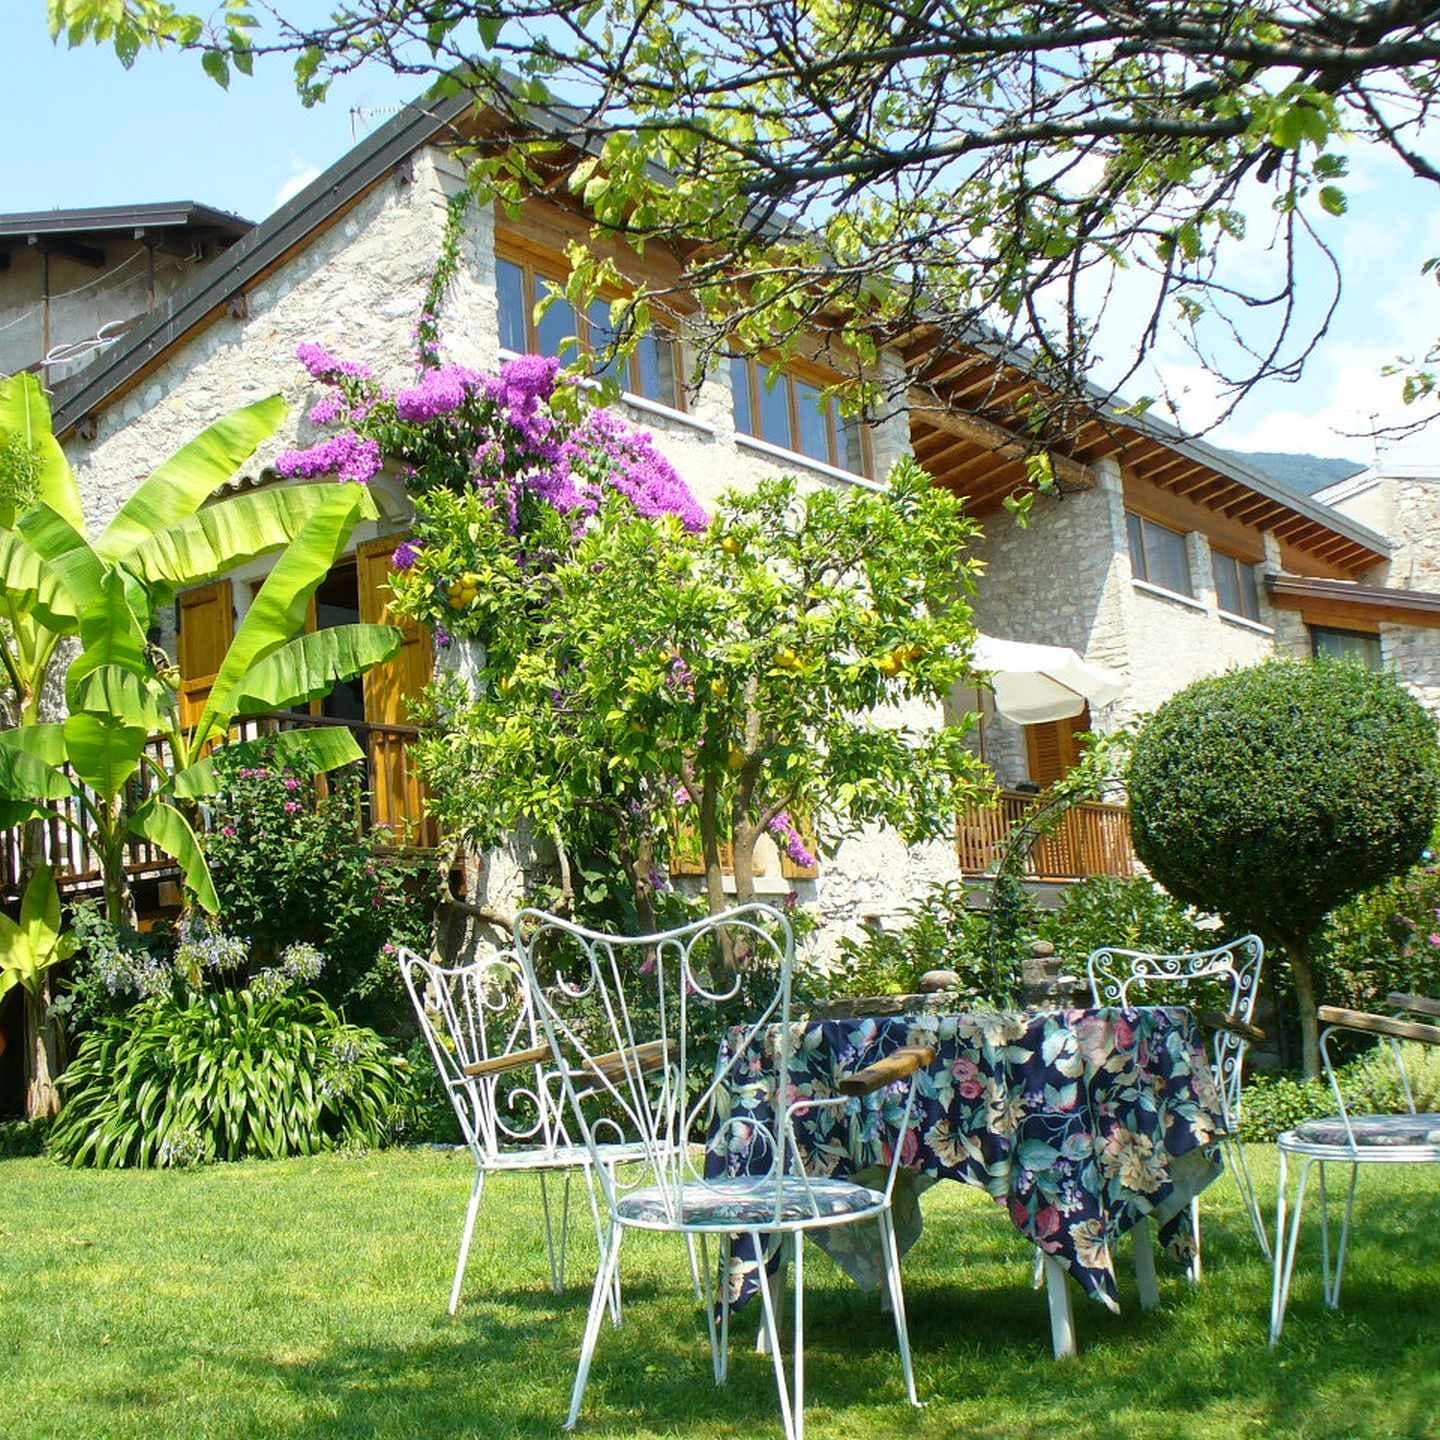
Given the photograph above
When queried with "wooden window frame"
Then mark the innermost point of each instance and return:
(1145, 520)
(1240, 564)
(794, 373)
(534, 268)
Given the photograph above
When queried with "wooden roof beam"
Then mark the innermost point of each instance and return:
(990, 436)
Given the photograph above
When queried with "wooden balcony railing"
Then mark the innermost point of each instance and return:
(1090, 839)
(394, 800)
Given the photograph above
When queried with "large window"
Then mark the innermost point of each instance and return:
(649, 371)
(1158, 555)
(789, 411)
(1346, 645)
(1235, 587)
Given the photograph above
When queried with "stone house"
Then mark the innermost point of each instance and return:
(1161, 558)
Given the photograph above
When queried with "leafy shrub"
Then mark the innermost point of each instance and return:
(1370, 1084)
(1273, 794)
(1386, 940)
(19, 1138)
(940, 932)
(1132, 914)
(226, 1076)
(290, 866)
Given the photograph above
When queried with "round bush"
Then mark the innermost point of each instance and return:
(1272, 794)
(226, 1076)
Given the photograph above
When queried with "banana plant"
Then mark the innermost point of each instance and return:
(29, 950)
(98, 770)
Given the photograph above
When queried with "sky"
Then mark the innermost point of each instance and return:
(93, 133)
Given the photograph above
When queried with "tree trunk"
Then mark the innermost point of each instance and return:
(42, 1056)
(1305, 997)
(745, 837)
(710, 845)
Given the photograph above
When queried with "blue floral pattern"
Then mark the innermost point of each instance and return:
(1079, 1122)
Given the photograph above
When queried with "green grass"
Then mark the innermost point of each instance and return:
(306, 1298)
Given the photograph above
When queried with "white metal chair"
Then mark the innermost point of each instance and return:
(1409, 1138)
(1119, 977)
(641, 999)
(480, 1026)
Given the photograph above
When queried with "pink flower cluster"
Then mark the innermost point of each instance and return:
(347, 456)
(328, 368)
(782, 827)
(441, 391)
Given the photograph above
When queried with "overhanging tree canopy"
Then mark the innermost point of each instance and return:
(1016, 167)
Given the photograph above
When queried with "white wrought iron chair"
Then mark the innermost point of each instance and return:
(1120, 977)
(641, 999)
(494, 1062)
(1404, 1139)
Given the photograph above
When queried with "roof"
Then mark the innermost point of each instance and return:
(1296, 518)
(104, 219)
(1345, 597)
(224, 277)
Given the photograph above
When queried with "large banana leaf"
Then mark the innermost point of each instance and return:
(170, 830)
(66, 554)
(30, 585)
(25, 413)
(103, 751)
(279, 611)
(136, 698)
(45, 742)
(309, 666)
(309, 751)
(232, 532)
(113, 642)
(26, 777)
(189, 477)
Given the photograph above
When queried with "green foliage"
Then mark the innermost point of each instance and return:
(1272, 795)
(1132, 913)
(940, 932)
(1385, 940)
(226, 1076)
(1272, 1104)
(34, 946)
(19, 1138)
(291, 865)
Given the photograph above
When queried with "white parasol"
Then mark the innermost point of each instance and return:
(1035, 683)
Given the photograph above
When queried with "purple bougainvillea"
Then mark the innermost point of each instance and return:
(327, 368)
(347, 456)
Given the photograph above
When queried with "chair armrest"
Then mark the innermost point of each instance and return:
(1420, 1004)
(1233, 1024)
(1379, 1025)
(617, 1064)
(895, 1066)
(515, 1060)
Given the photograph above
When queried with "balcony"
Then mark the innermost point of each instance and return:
(394, 801)
(1090, 839)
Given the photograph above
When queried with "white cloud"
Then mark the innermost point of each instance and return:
(301, 175)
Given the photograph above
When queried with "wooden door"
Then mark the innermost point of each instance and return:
(1053, 748)
(397, 797)
(207, 625)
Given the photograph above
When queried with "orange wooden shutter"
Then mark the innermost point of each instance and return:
(788, 868)
(1053, 747)
(207, 624)
(397, 798)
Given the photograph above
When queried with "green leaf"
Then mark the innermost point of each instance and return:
(280, 610)
(31, 586)
(233, 532)
(104, 752)
(178, 488)
(124, 694)
(214, 64)
(67, 554)
(45, 742)
(310, 750)
(26, 776)
(170, 830)
(25, 412)
(1332, 200)
(113, 641)
(309, 666)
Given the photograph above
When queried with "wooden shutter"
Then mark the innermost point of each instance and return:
(397, 799)
(788, 868)
(207, 625)
(1053, 748)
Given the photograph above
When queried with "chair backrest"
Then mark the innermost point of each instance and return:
(471, 1014)
(1121, 977)
(636, 1023)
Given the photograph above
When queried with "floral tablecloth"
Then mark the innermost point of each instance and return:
(1079, 1122)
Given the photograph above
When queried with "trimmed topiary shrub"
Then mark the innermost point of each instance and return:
(227, 1075)
(1273, 794)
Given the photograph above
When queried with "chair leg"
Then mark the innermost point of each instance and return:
(466, 1235)
(773, 1329)
(1333, 1298)
(599, 1297)
(615, 1310)
(1285, 1253)
(1194, 1270)
(1145, 1279)
(1240, 1168)
(797, 1388)
(1037, 1280)
(776, 1284)
(556, 1253)
(719, 1357)
(896, 1290)
(1062, 1310)
(694, 1268)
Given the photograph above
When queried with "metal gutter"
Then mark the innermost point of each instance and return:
(230, 272)
(98, 219)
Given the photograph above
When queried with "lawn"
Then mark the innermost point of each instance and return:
(306, 1298)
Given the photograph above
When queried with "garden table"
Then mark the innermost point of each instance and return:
(1083, 1123)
